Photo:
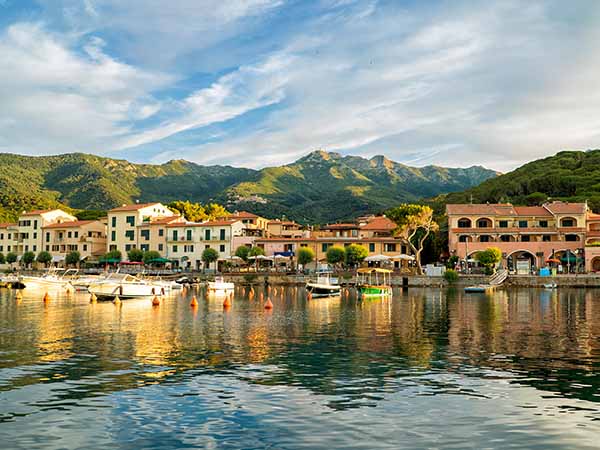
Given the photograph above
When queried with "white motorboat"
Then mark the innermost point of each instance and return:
(82, 284)
(52, 279)
(324, 286)
(220, 285)
(125, 286)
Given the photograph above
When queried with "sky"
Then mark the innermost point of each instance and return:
(257, 83)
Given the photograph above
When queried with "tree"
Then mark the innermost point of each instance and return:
(256, 251)
(336, 255)
(150, 255)
(242, 252)
(2, 259)
(209, 256)
(73, 258)
(306, 255)
(489, 257)
(191, 211)
(11, 257)
(44, 258)
(113, 255)
(135, 255)
(414, 223)
(28, 258)
(354, 254)
(214, 211)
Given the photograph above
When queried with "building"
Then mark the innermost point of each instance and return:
(88, 237)
(6, 237)
(151, 234)
(531, 234)
(592, 243)
(123, 232)
(187, 241)
(28, 236)
(285, 228)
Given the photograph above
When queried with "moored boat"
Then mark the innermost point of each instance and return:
(220, 285)
(51, 279)
(323, 286)
(374, 282)
(123, 285)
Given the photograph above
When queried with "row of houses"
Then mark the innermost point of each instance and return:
(566, 234)
(153, 226)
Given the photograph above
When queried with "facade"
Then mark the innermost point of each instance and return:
(522, 233)
(592, 243)
(7, 230)
(285, 228)
(88, 237)
(152, 233)
(123, 233)
(187, 241)
(29, 236)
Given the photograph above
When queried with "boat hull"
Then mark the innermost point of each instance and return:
(323, 290)
(125, 290)
(375, 291)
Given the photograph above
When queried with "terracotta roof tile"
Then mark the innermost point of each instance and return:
(133, 207)
(566, 208)
(6, 225)
(532, 211)
(72, 224)
(379, 223)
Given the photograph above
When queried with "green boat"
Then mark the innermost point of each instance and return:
(374, 282)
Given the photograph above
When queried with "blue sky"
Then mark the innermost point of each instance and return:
(263, 82)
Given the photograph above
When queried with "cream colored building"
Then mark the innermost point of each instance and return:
(187, 241)
(88, 237)
(285, 228)
(7, 231)
(123, 232)
(152, 234)
(29, 237)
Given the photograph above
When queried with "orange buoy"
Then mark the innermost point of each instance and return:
(117, 300)
(309, 296)
(93, 298)
(194, 302)
(268, 304)
(19, 295)
(262, 296)
(46, 298)
(155, 301)
(227, 303)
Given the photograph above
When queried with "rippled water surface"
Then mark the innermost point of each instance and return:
(426, 369)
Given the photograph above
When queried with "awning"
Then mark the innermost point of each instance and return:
(131, 263)
(159, 261)
(377, 258)
(110, 260)
(57, 258)
(286, 254)
(404, 257)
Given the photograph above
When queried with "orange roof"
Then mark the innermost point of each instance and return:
(379, 223)
(566, 207)
(593, 216)
(38, 212)
(161, 221)
(282, 222)
(340, 226)
(244, 214)
(485, 209)
(532, 211)
(72, 224)
(134, 207)
(6, 225)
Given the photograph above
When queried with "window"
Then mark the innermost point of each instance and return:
(188, 235)
(161, 232)
(76, 234)
(35, 224)
(160, 247)
(127, 247)
(114, 222)
(85, 247)
(188, 248)
(464, 223)
(505, 238)
(546, 238)
(174, 249)
(8, 248)
(55, 248)
(47, 248)
(113, 235)
(484, 223)
(207, 235)
(371, 247)
(503, 224)
(1, 236)
(389, 247)
(35, 235)
(222, 248)
(130, 234)
(207, 246)
(130, 220)
(324, 247)
(145, 234)
(568, 222)
(1, 248)
(69, 234)
(484, 238)
(144, 247)
(27, 248)
(571, 237)
(222, 234)
(522, 224)
(543, 224)
(35, 248)
(525, 238)
(175, 233)
(112, 247)
(47, 237)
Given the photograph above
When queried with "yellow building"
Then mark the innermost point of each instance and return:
(285, 228)
(29, 237)
(123, 234)
(6, 237)
(88, 237)
(152, 234)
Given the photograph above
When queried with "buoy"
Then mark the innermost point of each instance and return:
(227, 303)
(262, 296)
(117, 300)
(194, 302)
(46, 298)
(155, 301)
(93, 298)
(19, 295)
(268, 304)
(309, 296)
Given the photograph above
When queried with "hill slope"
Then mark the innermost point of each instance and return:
(569, 175)
(319, 187)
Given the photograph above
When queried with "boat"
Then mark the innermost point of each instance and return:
(477, 289)
(323, 286)
(374, 282)
(51, 279)
(125, 286)
(81, 284)
(220, 285)
(550, 286)
(12, 282)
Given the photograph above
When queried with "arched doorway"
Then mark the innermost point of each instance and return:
(596, 264)
(521, 262)
(570, 261)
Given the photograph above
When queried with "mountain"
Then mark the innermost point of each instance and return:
(319, 187)
(569, 175)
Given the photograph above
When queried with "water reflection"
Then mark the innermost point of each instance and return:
(353, 354)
